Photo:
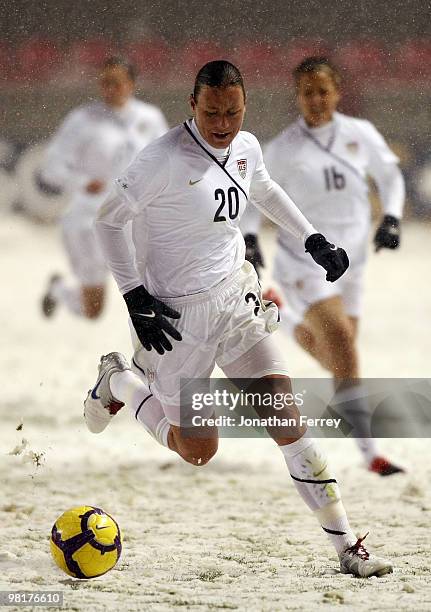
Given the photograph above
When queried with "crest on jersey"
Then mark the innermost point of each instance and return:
(352, 147)
(242, 167)
(123, 184)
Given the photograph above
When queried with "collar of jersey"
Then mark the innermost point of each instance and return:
(219, 154)
(120, 114)
(319, 132)
(323, 136)
(125, 111)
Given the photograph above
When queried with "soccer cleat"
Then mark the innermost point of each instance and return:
(100, 406)
(382, 466)
(358, 561)
(49, 302)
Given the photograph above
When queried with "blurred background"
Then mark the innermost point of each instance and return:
(50, 52)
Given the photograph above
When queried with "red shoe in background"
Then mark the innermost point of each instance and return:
(383, 467)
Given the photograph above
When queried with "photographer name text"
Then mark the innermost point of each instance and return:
(272, 421)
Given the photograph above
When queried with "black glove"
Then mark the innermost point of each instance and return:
(253, 253)
(44, 187)
(388, 233)
(327, 255)
(148, 318)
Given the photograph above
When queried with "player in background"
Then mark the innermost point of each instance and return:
(322, 160)
(185, 195)
(95, 143)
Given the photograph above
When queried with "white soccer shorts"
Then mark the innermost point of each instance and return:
(217, 326)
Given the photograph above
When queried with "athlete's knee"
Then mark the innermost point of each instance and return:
(199, 454)
(194, 449)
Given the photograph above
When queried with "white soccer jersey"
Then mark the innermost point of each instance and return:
(186, 209)
(324, 170)
(97, 142)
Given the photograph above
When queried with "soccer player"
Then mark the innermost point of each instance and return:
(94, 144)
(323, 160)
(194, 301)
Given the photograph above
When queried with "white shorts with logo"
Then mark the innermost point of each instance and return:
(304, 282)
(85, 255)
(217, 327)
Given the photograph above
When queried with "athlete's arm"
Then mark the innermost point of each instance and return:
(142, 182)
(61, 169)
(110, 226)
(274, 202)
(147, 313)
(383, 167)
(391, 187)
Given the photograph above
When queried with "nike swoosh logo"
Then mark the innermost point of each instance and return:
(93, 393)
(99, 528)
(150, 315)
(194, 182)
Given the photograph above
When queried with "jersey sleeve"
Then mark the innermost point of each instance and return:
(143, 181)
(379, 151)
(145, 178)
(274, 202)
(111, 228)
(62, 165)
(383, 167)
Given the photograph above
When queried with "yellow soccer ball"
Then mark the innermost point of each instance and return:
(85, 542)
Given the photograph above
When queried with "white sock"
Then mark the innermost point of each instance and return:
(352, 404)
(334, 522)
(69, 296)
(317, 486)
(127, 387)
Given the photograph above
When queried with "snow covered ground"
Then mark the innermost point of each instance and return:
(231, 535)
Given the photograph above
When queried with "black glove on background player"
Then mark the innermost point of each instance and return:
(148, 317)
(253, 254)
(333, 259)
(45, 187)
(388, 233)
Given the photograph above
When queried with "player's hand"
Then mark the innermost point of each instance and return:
(271, 295)
(148, 316)
(95, 186)
(44, 187)
(388, 233)
(253, 254)
(333, 259)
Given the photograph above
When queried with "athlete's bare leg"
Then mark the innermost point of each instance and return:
(329, 335)
(93, 300)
